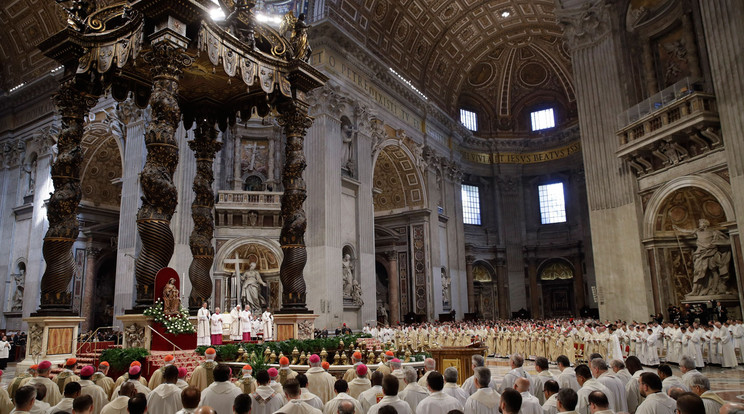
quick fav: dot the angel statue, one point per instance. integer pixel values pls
(298, 39)
(242, 29)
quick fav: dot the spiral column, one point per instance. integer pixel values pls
(159, 193)
(72, 105)
(295, 121)
(205, 146)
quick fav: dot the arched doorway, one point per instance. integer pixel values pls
(103, 296)
(486, 290)
(556, 277)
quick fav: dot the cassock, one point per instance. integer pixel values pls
(413, 394)
(451, 389)
(331, 407)
(100, 379)
(530, 404)
(165, 399)
(118, 405)
(393, 400)
(235, 334)
(358, 386)
(100, 399)
(727, 348)
(265, 401)
(567, 379)
(551, 405)
(438, 403)
(712, 402)
(52, 397)
(268, 326)
(216, 324)
(64, 405)
(657, 403)
(320, 383)
(137, 385)
(590, 386)
(373, 396)
(245, 325)
(483, 401)
(220, 396)
(311, 398)
(203, 331)
(298, 407)
(202, 375)
(616, 386)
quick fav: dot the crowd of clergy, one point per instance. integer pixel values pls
(597, 387)
(240, 324)
(715, 343)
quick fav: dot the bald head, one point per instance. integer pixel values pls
(522, 384)
(205, 409)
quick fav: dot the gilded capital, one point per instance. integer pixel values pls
(586, 25)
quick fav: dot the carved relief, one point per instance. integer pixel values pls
(134, 336)
(35, 338)
(586, 25)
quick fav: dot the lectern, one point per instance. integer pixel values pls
(458, 357)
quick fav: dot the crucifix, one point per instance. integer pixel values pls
(232, 288)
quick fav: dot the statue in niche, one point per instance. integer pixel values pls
(30, 170)
(446, 282)
(710, 265)
(250, 283)
(347, 150)
(347, 269)
(171, 302)
(17, 299)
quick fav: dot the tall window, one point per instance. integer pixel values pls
(542, 119)
(552, 203)
(470, 205)
(469, 119)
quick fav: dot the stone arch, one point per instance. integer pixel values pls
(712, 184)
(488, 276)
(555, 268)
(261, 247)
(102, 165)
(398, 181)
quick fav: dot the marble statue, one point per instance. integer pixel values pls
(17, 299)
(710, 265)
(446, 282)
(347, 268)
(356, 293)
(30, 169)
(250, 283)
(347, 151)
(171, 302)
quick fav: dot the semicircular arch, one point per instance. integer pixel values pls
(398, 181)
(263, 248)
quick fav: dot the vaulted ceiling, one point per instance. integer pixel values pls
(500, 56)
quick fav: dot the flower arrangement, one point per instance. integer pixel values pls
(174, 324)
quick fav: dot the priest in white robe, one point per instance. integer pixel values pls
(88, 387)
(295, 405)
(235, 334)
(166, 397)
(203, 330)
(216, 326)
(413, 393)
(437, 402)
(267, 320)
(652, 348)
(220, 394)
(589, 385)
(265, 400)
(485, 400)
(341, 388)
(728, 354)
(245, 325)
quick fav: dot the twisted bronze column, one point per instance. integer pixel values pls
(295, 121)
(72, 105)
(159, 193)
(205, 146)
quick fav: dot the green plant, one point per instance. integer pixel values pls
(174, 324)
(120, 358)
(227, 352)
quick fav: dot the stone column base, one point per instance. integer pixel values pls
(137, 332)
(50, 338)
(294, 326)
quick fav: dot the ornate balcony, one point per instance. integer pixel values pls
(248, 209)
(674, 126)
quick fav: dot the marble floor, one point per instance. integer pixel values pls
(728, 382)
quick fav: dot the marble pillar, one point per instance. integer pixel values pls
(393, 287)
(133, 121)
(594, 36)
(469, 276)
